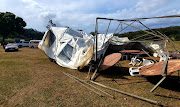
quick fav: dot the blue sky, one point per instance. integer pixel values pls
(81, 14)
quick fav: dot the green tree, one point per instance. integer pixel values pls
(10, 24)
(32, 34)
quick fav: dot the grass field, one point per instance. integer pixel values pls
(28, 78)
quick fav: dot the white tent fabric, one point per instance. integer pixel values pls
(103, 38)
(67, 47)
(158, 47)
(70, 48)
(50, 40)
(119, 41)
(102, 43)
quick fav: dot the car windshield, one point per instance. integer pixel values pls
(11, 44)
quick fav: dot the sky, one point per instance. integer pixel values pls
(81, 14)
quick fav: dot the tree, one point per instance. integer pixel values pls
(32, 34)
(10, 24)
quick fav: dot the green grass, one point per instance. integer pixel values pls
(170, 46)
(28, 78)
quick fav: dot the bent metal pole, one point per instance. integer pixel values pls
(128, 94)
(81, 81)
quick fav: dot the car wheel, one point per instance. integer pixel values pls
(32, 46)
(6, 50)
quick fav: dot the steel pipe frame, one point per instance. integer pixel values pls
(121, 21)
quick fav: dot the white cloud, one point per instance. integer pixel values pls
(150, 5)
(81, 14)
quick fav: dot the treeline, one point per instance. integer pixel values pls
(28, 34)
(172, 32)
(32, 34)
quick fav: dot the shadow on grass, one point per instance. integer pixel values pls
(13, 51)
(115, 72)
(170, 83)
(173, 97)
(130, 82)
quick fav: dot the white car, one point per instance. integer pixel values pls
(34, 43)
(11, 47)
(23, 44)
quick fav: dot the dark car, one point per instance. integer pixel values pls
(11, 47)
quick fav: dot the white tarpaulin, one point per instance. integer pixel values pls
(67, 47)
(158, 47)
(70, 48)
(119, 41)
(102, 42)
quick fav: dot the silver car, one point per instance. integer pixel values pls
(11, 47)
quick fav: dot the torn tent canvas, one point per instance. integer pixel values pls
(69, 48)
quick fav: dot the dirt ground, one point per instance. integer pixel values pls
(28, 78)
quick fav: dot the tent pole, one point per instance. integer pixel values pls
(163, 73)
(179, 76)
(96, 28)
(128, 94)
(143, 30)
(171, 16)
(147, 27)
(98, 65)
(117, 28)
(164, 77)
(75, 78)
(149, 56)
(107, 31)
(126, 27)
(90, 68)
(172, 42)
(83, 85)
(101, 59)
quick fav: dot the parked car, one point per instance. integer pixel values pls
(17, 40)
(23, 43)
(34, 43)
(11, 47)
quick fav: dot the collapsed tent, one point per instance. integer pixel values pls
(119, 41)
(70, 48)
(123, 43)
(67, 47)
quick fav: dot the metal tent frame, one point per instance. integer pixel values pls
(98, 61)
